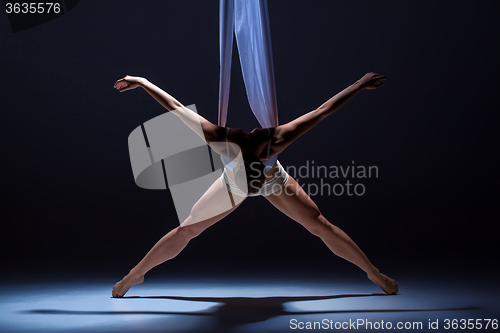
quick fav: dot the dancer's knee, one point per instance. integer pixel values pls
(189, 231)
(319, 226)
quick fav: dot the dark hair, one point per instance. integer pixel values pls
(250, 175)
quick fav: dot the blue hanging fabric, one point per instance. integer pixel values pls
(226, 29)
(250, 20)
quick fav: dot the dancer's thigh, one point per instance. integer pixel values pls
(294, 202)
(214, 205)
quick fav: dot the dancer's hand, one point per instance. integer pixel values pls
(371, 81)
(128, 82)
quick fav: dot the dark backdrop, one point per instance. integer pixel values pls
(69, 199)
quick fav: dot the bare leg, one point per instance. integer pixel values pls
(297, 205)
(176, 240)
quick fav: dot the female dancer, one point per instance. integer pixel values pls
(258, 145)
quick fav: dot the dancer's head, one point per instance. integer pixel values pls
(250, 174)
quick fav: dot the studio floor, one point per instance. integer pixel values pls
(247, 304)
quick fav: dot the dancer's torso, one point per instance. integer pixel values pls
(256, 143)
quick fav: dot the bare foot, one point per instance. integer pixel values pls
(388, 285)
(124, 285)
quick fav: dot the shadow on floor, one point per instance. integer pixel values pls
(234, 311)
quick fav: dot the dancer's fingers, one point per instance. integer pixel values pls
(125, 88)
(122, 85)
(117, 84)
(119, 81)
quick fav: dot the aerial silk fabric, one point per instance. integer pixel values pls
(249, 20)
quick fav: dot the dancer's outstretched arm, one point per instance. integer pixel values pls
(285, 134)
(209, 132)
